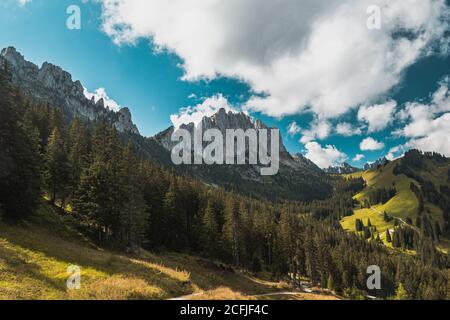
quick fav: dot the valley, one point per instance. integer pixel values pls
(139, 227)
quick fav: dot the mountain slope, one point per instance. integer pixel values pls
(34, 259)
(298, 179)
(430, 172)
(51, 85)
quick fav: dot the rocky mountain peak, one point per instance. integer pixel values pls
(52, 85)
(380, 162)
(344, 168)
(223, 120)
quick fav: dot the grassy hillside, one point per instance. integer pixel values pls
(404, 204)
(34, 258)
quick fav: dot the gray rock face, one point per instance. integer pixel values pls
(380, 162)
(222, 121)
(344, 168)
(52, 85)
(297, 179)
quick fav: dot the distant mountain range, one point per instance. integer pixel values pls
(298, 178)
(344, 168)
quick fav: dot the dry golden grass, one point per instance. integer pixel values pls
(221, 293)
(118, 288)
(300, 296)
(34, 258)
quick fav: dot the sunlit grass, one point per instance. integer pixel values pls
(34, 258)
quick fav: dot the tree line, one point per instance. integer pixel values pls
(122, 200)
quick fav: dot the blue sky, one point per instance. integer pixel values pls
(150, 82)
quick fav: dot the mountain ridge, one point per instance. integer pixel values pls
(298, 178)
(52, 85)
(344, 168)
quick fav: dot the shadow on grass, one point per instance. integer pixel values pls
(171, 283)
(17, 265)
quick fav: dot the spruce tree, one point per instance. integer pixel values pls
(20, 160)
(57, 168)
(211, 234)
(78, 152)
(133, 213)
(232, 228)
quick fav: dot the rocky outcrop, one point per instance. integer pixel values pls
(51, 85)
(222, 121)
(374, 165)
(344, 168)
(298, 177)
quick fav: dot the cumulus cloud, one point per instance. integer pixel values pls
(379, 116)
(370, 144)
(427, 126)
(435, 135)
(303, 54)
(100, 93)
(358, 157)
(395, 153)
(324, 157)
(319, 129)
(346, 129)
(195, 114)
(293, 129)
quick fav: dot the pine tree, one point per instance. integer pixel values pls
(211, 234)
(78, 152)
(57, 168)
(175, 223)
(133, 213)
(99, 199)
(311, 257)
(20, 168)
(232, 228)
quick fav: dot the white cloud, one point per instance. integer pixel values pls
(379, 116)
(428, 125)
(436, 135)
(370, 144)
(23, 2)
(345, 129)
(319, 129)
(302, 53)
(195, 114)
(324, 157)
(100, 93)
(441, 98)
(358, 157)
(395, 153)
(293, 129)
